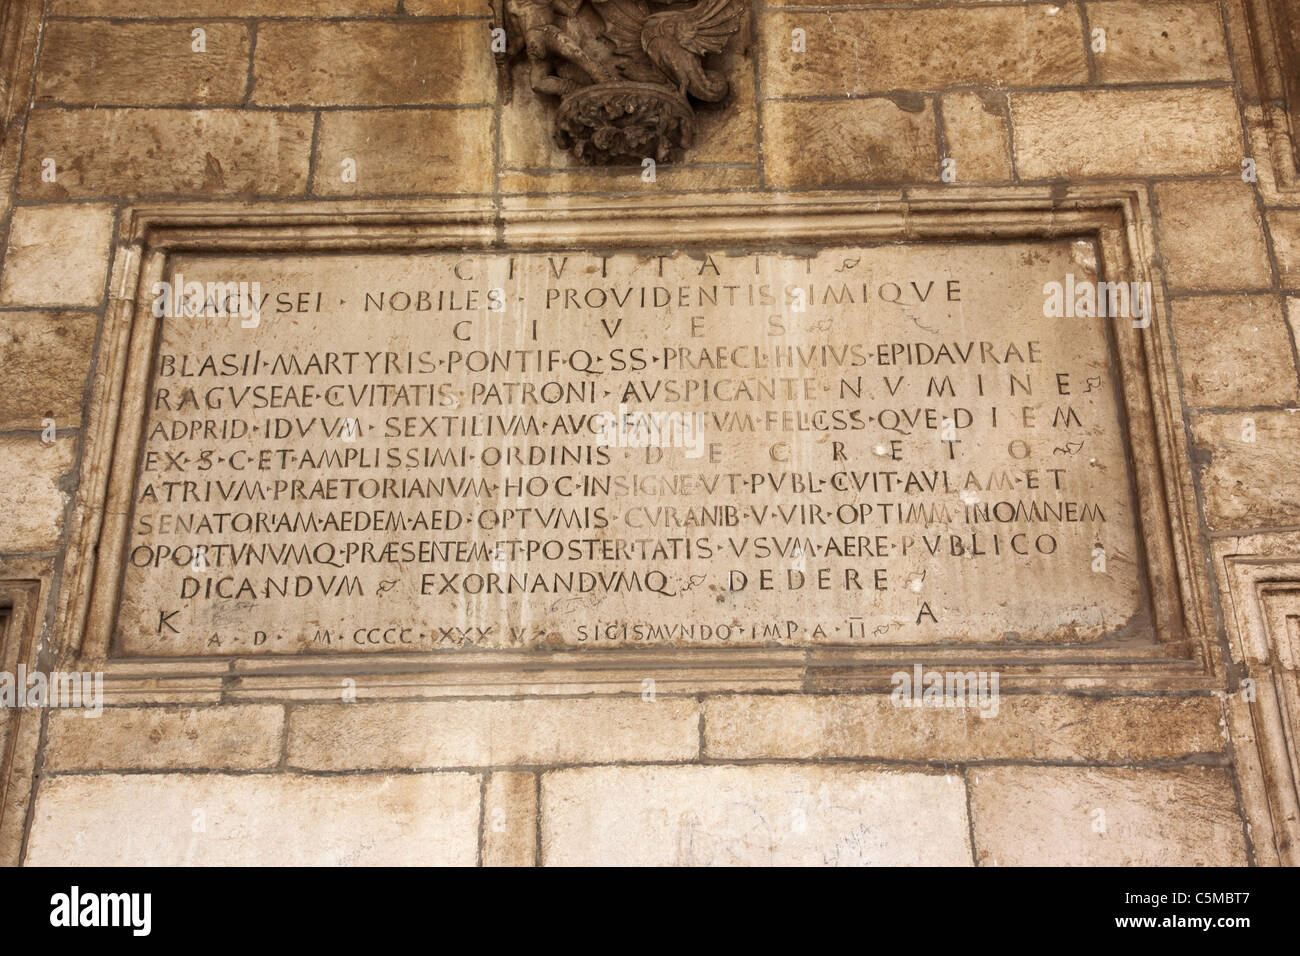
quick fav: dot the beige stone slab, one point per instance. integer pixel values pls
(510, 819)
(1284, 227)
(159, 690)
(491, 733)
(57, 255)
(132, 152)
(1077, 816)
(1211, 236)
(242, 737)
(868, 3)
(372, 64)
(256, 820)
(527, 122)
(872, 51)
(221, 8)
(627, 180)
(727, 132)
(447, 8)
(1247, 467)
(1235, 350)
(753, 816)
(44, 360)
(876, 141)
(554, 681)
(1148, 42)
(1293, 317)
(32, 495)
(1126, 133)
(1020, 726)
(138, 64)
(455, 155)
(823, 427)
(976, 127)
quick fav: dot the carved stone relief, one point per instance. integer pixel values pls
(625, 72)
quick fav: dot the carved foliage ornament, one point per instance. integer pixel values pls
(625, 71)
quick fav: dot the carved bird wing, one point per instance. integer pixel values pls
(706, 27)
(624, 20)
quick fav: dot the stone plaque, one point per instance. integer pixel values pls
(854, 446)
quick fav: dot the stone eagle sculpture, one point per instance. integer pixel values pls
(625, 70)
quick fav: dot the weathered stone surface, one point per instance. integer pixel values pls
(976, 128)
(372, 64)
(454, 155)
(896, 341)
(1159, 42)
(221, 8)
(1234, 350)
(1248, 474)
(878, 141)
(133, 152)
(510, 819)
(32, 473)
(256, 820)
(44, 359)
(122, 64)
(448, 8)
(57, 255)
(873, 51)
(1023, 726)
(754, 815)
(242, 737)
(626, 180)
(1125, 133)
(1284, 227)
(1293, 317)
(1076, 816)
(1211, 237)
(727, 132)
(493, 733)
(527, 121)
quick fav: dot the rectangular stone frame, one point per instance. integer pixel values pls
(1272, 91)
(1264, 629)
(1180, 653)
(24, 590)
(20, 27)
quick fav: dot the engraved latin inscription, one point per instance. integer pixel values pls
(671, 447)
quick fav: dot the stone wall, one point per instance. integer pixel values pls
(204, 767)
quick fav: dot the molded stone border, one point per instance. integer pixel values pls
(1268, 111)
(24, 588)
(20, 27)
(1176, 654)
(1265, 645)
